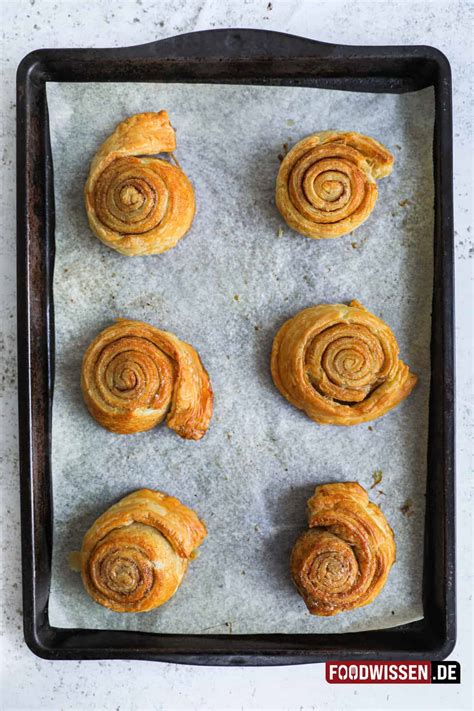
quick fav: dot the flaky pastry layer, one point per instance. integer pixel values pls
(134, 375)
(326, 185)
(342, 562)
(339, 364)
(135, 203)
(134, 556)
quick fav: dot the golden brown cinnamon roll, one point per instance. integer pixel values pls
(343, 560)
(135, 555)
(134, 375)
(339, 364)
(326, 183)
(137, 204)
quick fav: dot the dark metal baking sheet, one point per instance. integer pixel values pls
(224, 56)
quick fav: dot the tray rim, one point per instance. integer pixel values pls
(258, 52)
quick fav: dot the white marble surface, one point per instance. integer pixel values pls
(31, 683)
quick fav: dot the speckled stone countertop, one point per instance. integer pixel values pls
(31, 683)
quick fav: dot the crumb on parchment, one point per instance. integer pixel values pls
(406, 509)
(377, 477)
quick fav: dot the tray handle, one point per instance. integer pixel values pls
(236, 43)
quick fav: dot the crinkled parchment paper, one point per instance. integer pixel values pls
(226, 288)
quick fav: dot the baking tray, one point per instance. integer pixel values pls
(236, 57)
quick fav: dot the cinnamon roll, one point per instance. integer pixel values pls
(339, 364)
(134, 556)
(136, 203)
(326, 185)
(134, 375)
(343, 560)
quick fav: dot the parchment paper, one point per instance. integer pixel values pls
(226, 288)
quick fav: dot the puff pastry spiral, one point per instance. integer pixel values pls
(135, 555)
(135, 203)
(326, 185)
(339, 364)
(134, 375)
(343, 560)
